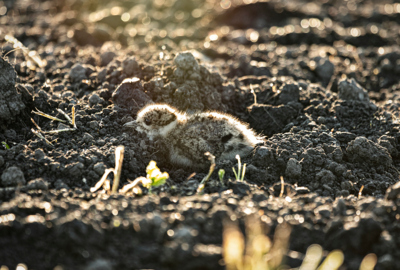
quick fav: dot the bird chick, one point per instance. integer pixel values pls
(188, 137)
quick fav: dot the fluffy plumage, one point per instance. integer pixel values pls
(188, 137)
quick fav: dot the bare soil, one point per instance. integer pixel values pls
(319, 79)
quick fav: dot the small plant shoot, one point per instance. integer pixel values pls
(239, 175)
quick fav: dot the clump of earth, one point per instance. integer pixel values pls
(319, 80)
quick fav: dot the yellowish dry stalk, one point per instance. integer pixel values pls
(203, 182)
(65, 115)
(107, 186)
(73, 117)
(282, 187)
(233, 246)
(360, 192)
(102, 180)
(48, 116)
(312, 258)
(58, 130)
(333, 261)
(125, 189)
(119, 157)
(36, 125)
(33, 55)
(71, 121)
(37, 133)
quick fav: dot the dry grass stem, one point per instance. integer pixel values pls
(36, 125)
(254, 94)
(102, 180)
(33, 55)
(48, 116)
(203, 182)
(71, 121)
(37, 133)
(312, 258)
(360, 192)
(119, 157)
(282, 187)
(130, 186)
(59, 130)
(65, 115)
(73, 117)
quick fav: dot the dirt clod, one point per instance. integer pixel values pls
(362, 150)
(10, 101)
(349, 89)
(12, 176)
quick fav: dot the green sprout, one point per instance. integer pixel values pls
(154, 178)
(238, 176)
(221, 174)
(6, 146)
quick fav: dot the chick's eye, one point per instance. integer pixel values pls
(147, 121)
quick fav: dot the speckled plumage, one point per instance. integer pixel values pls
(188, 137)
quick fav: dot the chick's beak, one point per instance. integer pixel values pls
(132, 124)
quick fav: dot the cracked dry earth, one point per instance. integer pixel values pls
(319, 79)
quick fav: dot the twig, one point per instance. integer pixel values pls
(203, 182)
(37, 133)
(119, 157)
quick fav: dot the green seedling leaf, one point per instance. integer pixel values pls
(155, 176)
(239, 167)
(239, 175)
(243, 172)
(160, 179)
(221, 174)
(5, 145)
(236, 176)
